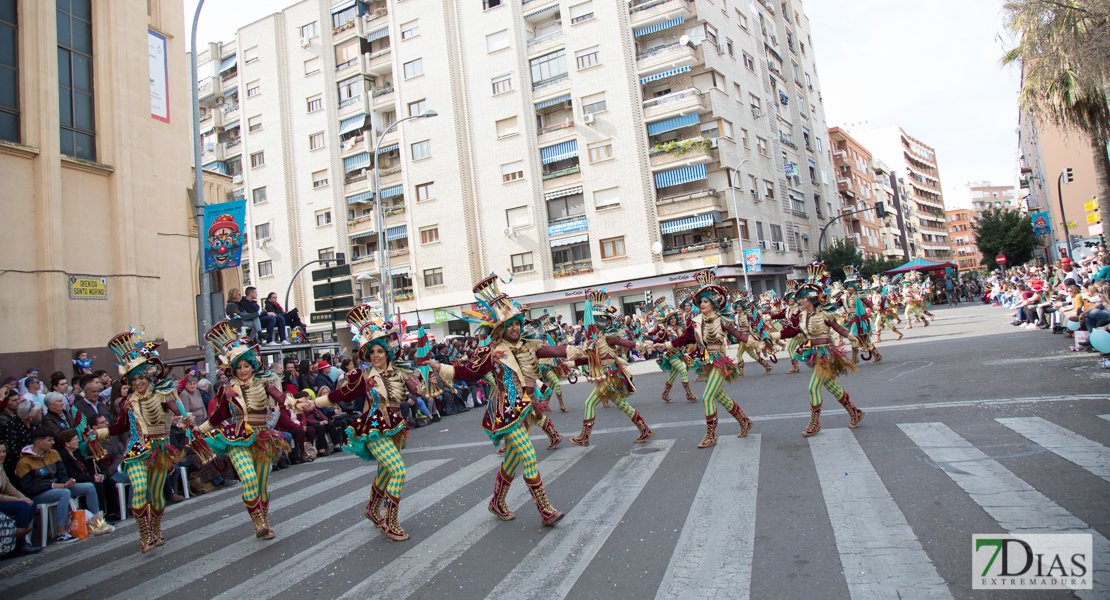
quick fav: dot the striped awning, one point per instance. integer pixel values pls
(541, 11)
(231, 125)
(687, 224)
(377, 35)
(208, 130)
(651, 78)
(393, 190)
(672, 124)
(658, 27)
(680, 176)
(574, 239)
(230, 91)
(389, 148)
(227, 63)
(364, 234)
(565, 150)
(552, 101)
(342, 6)
(352, 123)
(405, 270)
(360, 198)
(396, 233)
(567, 192)
(356, 162)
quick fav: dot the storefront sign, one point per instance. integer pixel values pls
(159, 83)
(613, 288)
(567, 227)
(440, 315)
(85, 287)
(711, 260)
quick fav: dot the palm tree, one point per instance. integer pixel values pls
(1064, 52)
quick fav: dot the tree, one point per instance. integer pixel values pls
(878, 267)
(1004, 231)
(1064, 52)
(838, 255)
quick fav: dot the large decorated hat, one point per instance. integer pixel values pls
(501, 309)
(740, 299)
(663, 311)
(136, 357)
(816, 279)
(791, 289)
(600, 304)
(852, 278)
(368, 329)
(232, 347)
(715, 292)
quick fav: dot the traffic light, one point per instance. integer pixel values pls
(647, 300)
(880, 210)
(1069, 175)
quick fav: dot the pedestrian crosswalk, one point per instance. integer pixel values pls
(702, 541)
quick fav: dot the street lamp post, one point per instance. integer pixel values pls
(387, 306)
(739, 236)
(198, 198)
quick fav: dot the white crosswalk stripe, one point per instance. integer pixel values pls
(1007, 498)
(1090, 455)
(713, 556)
(881, 555)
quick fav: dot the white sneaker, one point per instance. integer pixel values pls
(65, 538)
(272, 344)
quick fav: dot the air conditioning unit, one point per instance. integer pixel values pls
(756, 112)
(780, 246)
(764, 244)
(720, 49)
(755, 196)
(588, 119)
(305, 42)
(713, 142)
(774, 40)
(509, 232)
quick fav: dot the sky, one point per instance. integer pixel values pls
(931, 67)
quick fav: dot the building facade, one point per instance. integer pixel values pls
(984, 196)
(965, 252)
(885, 188)
(855, 183)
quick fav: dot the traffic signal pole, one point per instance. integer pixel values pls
(1060, 197)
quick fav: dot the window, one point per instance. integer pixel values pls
(607, 198)
(326, 253)
(593, 104)
(346, 55)
(250, 55)
(587, 58)
(311, 67)
(754, 101)
(344, 18)
(571, 256)
(749, 62)
(762, 145)
(612, 247)
(488, 4)
(497, 41)
(315, 103)
(410, 30)
(421, 149)
(759, 231)
(323, 217)
(753, 186)
(768, 190)
(429, 235)
(425, 191)
(798, 203)
(415, 108)
(502, 84)
(75, 79)
(266, 268)
(350, 91)
(522, 262)
(548, 66)
(744, 229)
(728, 44)
(600, 151)
(257, 159)
(711, 129)
(414, 68)
(258, 195)
(776, 233)
(245, 270)
(433, 277)
(741, 20)
(255, 88)
(9, 73)
(319, 180)
(254, 124)
(316, 140)
(744, 137)
(308, 31)
(262, 231)
(566, 207)
(506, 127)
(581, 12)
(518, 217)
(512, 171)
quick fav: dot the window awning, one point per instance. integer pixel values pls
(352, 123)
(405, 270)
(356, 162)
(651, 78)
(218, 167)
(208, 130)
(565, 150)
(574, 239)
(672, 124)
(389, 148)
(377, 35)
(680, 176)
(231, 125)
(541, 11)
(228, 63)
(567, 192)
(396, 233)
(230, 91)
(658, 27)
(393, 190)
(696, 222)
(342, 6)
(552, 101)
(364, 234)
(360, 198)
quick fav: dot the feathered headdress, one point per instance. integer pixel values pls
(599, 313)
(816, 280)
(715, 292)
(231, 347)
(136, 357)
(852, 278)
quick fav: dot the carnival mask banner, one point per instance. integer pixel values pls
(1041, 223)
(223, 231)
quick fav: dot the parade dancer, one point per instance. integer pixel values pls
(856, 308)
(147, 413)
(668, 326)
(607, 370)
(828, 360)
(789, 316)
(379, 434)
(241, 424)
(885, 303)
(709, 330)
(514, 362)
(744, 318)
(551, 369)
(915, 302)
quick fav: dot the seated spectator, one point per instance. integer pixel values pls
(9, 403)
(415, 411)
(289, 376)
(286, 423)
(84, 470)
(323, 377)
(59, 384)
(56, 419)
(32, 390)
(43, 477)
(269, 320)
(91, 404)
(326, 437)
(193, 400)
(292, 318)
(18, 433)
(238, 317)
(17, 506)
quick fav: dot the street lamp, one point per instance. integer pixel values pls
(198, 198)
(387, 306)
(366, 277)
(739, 236)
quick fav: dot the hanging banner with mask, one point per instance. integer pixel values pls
(223, 234)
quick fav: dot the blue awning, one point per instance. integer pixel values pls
(360, 198)
(396, 233)
(393, 190)
(658, 27)
(565, 150)
(680, 176)
(687, 224)
(672, 124)
(230, 91)
(218, 167)
(552, 101)
(227, 63)
(541, 11)
(364, 234)
(356, 162)
(377, 35)
(231, 125)
(389, 148)
(651, 78)
(352, 123)
(342, 6)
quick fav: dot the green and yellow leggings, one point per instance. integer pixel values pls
(552, 382)
(391, 468)
(147, 487)
(619, 400)
(715, 390)
(826, 381)
(520, 453)
(677, 368)
(255, 475)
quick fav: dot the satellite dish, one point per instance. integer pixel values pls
(684, 40)
(657, 248)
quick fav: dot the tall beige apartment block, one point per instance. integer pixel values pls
(578, 144)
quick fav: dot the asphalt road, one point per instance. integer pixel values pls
(962, 435)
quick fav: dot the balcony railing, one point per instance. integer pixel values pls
(562, 172)
(388, 171)
(578, 269)
(230, 108)
(348, 180)
(635, 8)
(399, 251)
(344, 65)
(349, 101)
(698, 247)
(785, 139)
(394, 210)
(229, 76)
(555, 127)
(362, 259)
(658, 50)
(699, 193)
(672, 97)
(383, 91)
(402, 295)
(550, 82)
(545, 37)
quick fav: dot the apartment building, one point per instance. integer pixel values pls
(964, 250)
(885, 188)
(578, 144)
(984, 196)
(855, 183)
(915, 164)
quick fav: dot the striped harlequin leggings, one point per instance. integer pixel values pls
(620, 401)
(391, 468)
(254, 475)
(520, 453)
(827, 382)
(553, 382)
(715, 390)
(678, 367)
(147, 487)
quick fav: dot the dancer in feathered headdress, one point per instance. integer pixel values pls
(670, 325)
(915, 299)
(745, 317)
(789, 316)
(815, 326)
(552, 369)
(884, 300)
(858, 321)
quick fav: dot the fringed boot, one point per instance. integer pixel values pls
(583, 439)
(497, 504)
(745, 423)
(855, 356)
(793, 366)
(374, 506)
(855, 415)
(562, 407)
(689, 394)
(156, 526)
(814, 421)
(552, 436)
(667, 392)
(390, 527)
(710, 438)
(142, 521)
(766, 366)
(645, 432)
(548, 513)
(876, 357)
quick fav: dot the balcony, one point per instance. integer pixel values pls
(544, 42)
(379, 58)
(552, 84)
(703, 198)
(568, 271)
(667, 57)
(383, 97)
(364, 259)
(360, 225)
(573, 172)
(403, 295)
(555, 132)
(372, 18)
(395, 252)
(353, 146)
(691, 151)
(351, 106)
(392, 211)
(230, 111)
(389, 176)
(699, 250)
(677, 103)
(234, 146)
(787, 140)
(643, 11)
(239, 194)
